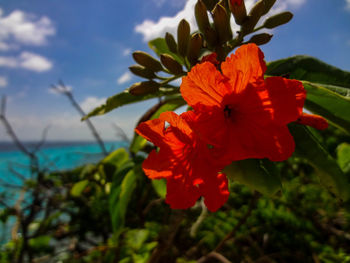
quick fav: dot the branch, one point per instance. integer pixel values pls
(214, 255)
(120, 133)
(10, 131)
(65, 91)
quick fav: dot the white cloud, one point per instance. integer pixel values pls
(126, 77)
(91, 102)
(3, 82)
(34, 62)
(150, 29)
(158, 3)
(9, 62)
(347, 7)
(27, 60)
(21, 28)
(127, 52)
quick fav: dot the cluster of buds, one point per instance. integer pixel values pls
(214, 35)
(218, 35)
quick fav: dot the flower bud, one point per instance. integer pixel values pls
(144, 88)
(221, 23)
(212, 58)
(171, 64)
(253, 17)
(171, 43)
(238, 10)
(147, 61)
(201, 14)
(268, 5)
(260, 39)
(142, 71)
(277, 20)
(195, 48)
(210, 4)
(183, 37)
(211, 37)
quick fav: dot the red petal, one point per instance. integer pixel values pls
(180, 195)
(246, 66)
(158, 165)
(272, 142)
(176, 121)
(203, 86)
(314, 121)
(152, 130)
(215, 191)
(285, 99)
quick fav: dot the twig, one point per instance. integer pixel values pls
(214, 255)
(42, 141)
(10, 131)
(120, 133)
(65, 91)
(199, 220)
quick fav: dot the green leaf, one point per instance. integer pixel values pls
(125, 98)
(120, 198)
(159, 46)
(329, 172)
(343, 153)
(40, 243)
(310, 69)
(171, 104)
(260, 175)
(160, 187)
(113, 161)
(117, 157)
(78, 188)
(329, 104)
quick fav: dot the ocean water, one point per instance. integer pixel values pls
(53, 156)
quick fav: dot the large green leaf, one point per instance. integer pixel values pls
(260, 175)
(329, 172)
(110, 164)
(125, 98)
(329, 104)
(309, 68)
(159, 46)
(120, 198)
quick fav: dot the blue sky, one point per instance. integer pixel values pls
(88, 44)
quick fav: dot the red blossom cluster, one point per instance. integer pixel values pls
(237, 114)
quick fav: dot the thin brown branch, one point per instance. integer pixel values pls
(10, 131)
(65, 91)
(214, 255)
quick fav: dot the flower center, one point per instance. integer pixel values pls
(227, 111)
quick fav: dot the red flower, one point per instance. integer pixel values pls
(240, 111)
(185, 162)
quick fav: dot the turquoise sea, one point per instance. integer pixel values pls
(53, 156)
